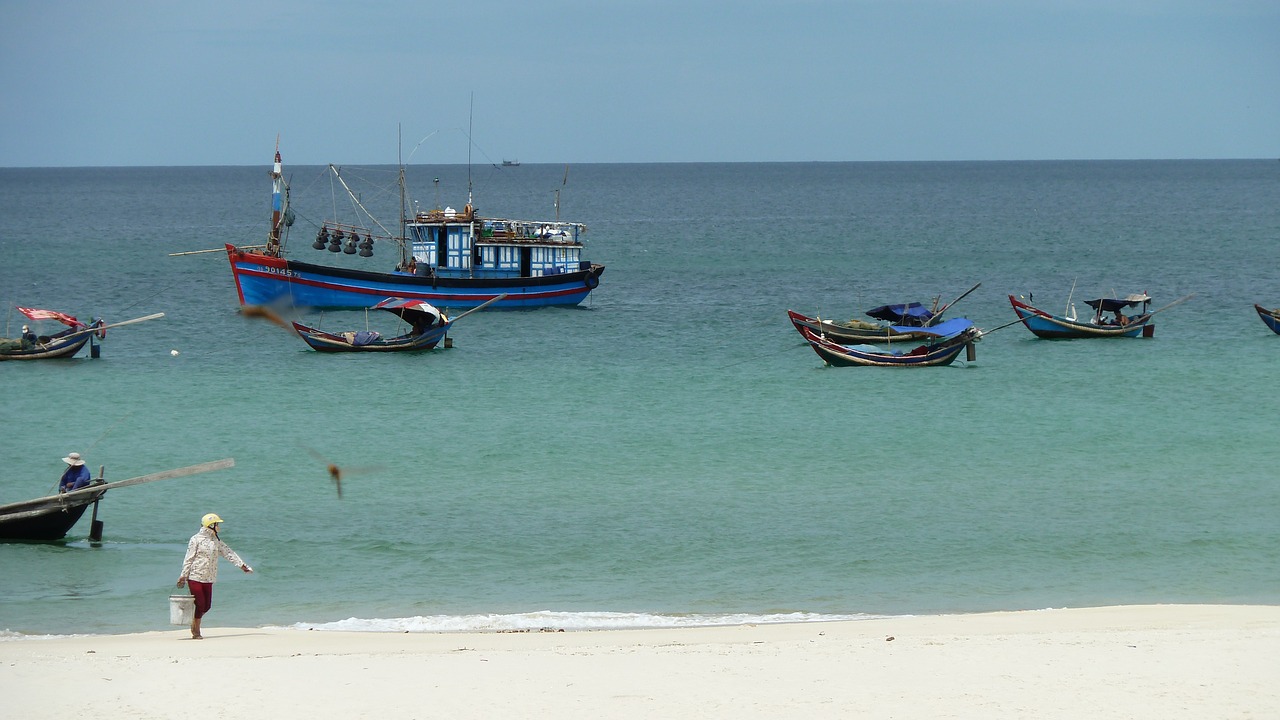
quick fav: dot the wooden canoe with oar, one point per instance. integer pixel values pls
(52, 517)
(64, 344)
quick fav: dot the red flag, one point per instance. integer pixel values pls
(37, 314)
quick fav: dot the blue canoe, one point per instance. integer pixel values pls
(1270, 317)
(1057, 327)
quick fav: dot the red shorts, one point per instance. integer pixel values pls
(203, 593)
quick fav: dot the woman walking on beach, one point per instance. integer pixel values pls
(200, 567)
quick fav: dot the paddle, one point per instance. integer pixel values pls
(113, 325)
(481, 306)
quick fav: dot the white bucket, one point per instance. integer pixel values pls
(182, 609)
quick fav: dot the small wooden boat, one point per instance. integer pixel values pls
(853, 331)
(47, 518)
(1047, 325)
(52, 517)
(428, 326)
(897, 323)
(950, 337)
(63, 344)
(1270, 317)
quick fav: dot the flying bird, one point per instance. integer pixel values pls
(266, 313)
(336, 473)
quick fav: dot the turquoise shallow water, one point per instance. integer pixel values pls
(670, 452)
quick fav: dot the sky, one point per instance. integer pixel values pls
(162, 83)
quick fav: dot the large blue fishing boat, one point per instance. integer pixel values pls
(446, 257)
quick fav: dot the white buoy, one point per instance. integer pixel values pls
(173, 353)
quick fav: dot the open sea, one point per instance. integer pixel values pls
(671, 452)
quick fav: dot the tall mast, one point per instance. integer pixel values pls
(277, 203)
(405, 254)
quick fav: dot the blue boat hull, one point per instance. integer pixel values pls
(1270, 317)
(266, 280)
(57, 346)
(343, 342)
(1054, 327)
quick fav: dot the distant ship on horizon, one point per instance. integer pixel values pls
(510, 163)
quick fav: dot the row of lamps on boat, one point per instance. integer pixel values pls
(333, 241)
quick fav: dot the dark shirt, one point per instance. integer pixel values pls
(76, 477)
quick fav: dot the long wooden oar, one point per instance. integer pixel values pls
(1175, 302)
(481, 306)
(114, 325)
(953, 302)
(984, 333)
(214, 250)
(163, 475)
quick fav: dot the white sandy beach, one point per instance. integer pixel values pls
(1175, 661)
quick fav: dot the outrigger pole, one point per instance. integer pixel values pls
(1175, 302)
(953, 302)
(100, 328)
(162, 475)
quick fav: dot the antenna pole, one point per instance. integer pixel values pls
(471, 113)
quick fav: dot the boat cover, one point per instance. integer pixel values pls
(414, 312)
(38, 314)
(1114, 304)
(944, 329)
(912, 314)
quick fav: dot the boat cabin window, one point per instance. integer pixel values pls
(508, 257)
(554, 260)
(458, 254)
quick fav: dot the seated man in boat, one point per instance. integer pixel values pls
(76, 475)
(28, 338)
(1121, 318)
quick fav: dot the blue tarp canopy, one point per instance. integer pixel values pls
(944, 329)
(913, 314)
(1114, 304)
